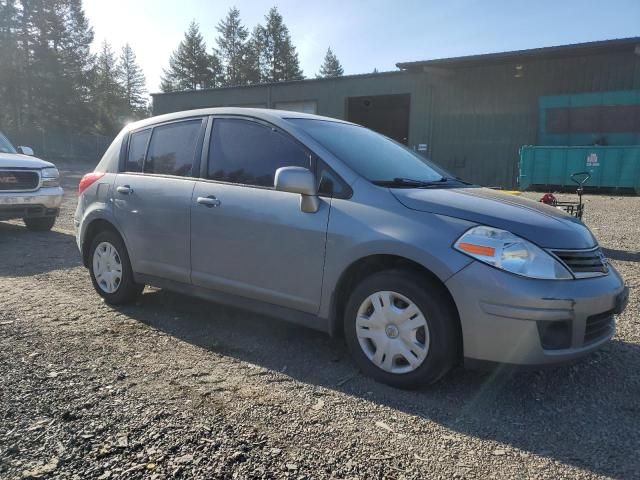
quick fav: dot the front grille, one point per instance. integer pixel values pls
(598, 327)
(18, 180)
(583, 263)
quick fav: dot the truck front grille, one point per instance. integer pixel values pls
(583, 263)
(18, 180)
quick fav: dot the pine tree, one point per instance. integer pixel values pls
(46, 69)
(331, 66)
(251, 60)
(10, 73)
(133, 83)
(77, 61)
(278, 56)
(233, 48)
(45, 92)
(190, 66)
(216, 71)
(109, 96)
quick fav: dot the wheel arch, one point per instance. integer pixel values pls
(94, 227)
(366, 266)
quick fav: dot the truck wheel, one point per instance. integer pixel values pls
(39, 224)
(401, 329)
(110, 269)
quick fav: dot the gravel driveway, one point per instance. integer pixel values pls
(174, 387)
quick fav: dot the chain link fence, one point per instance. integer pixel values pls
(61, 146)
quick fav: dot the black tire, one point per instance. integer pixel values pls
(39, 224)
(127, 290)
(439, 312)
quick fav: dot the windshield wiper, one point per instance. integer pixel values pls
(459, 180)
(401, 182)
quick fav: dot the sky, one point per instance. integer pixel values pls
(366, 34)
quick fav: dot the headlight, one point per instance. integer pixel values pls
(509, 252)
(50, 177)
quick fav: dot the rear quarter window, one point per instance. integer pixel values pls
(138, 142)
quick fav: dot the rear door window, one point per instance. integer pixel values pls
(137, 148)
(249, 153)
(173, 148)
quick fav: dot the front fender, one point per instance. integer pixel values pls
(423, 238)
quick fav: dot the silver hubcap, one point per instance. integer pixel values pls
(392, 332)
(107, 267)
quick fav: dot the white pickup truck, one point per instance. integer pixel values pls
(29, 187)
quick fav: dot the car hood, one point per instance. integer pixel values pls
(16, 160)
(546, 226)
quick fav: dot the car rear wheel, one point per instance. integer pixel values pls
(40, 224)
(400, 328)
(110, 269)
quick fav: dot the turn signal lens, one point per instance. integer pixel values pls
(477, 249)
(88, 180)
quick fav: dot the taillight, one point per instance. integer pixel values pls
(89, 180)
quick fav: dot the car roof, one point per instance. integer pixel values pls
(266, 114)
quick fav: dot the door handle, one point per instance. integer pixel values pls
(124, 189)
(209, 201)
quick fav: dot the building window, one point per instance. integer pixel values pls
(307, 106)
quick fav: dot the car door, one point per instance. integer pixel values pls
(247, 238)
(152, 197)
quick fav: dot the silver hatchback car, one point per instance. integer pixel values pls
(331, 225)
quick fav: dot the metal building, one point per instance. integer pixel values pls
(470, 114)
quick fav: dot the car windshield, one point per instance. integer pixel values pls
(373, 156)
(5, 145)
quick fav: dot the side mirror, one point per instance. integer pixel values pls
(299, 180)
(25, 150)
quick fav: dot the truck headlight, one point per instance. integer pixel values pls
(50, 177)
(506, 251)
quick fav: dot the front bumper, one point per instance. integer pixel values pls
(506, 318)
(44, 202)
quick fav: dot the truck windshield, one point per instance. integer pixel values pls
(375, 157)
(5, 145)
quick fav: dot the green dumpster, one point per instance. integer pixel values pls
(611, 167)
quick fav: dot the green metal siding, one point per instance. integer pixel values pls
(330, 94)
(474, 119)
(483, 115)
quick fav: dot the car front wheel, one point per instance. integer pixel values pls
(110, 269)
(400, 328)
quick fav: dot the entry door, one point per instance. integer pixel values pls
(247, 238)
(152, 198)
(385, 114)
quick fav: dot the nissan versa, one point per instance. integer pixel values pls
(328, 224)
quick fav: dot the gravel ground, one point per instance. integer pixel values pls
(174, 387)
